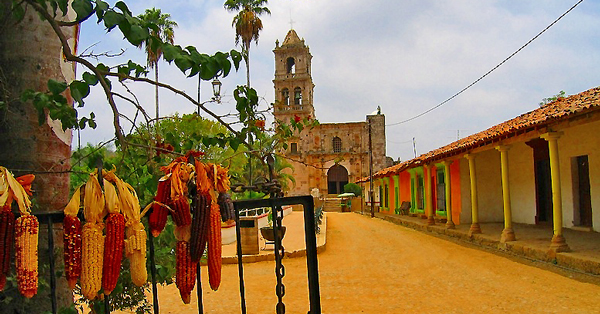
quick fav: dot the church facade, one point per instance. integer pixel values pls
(332, 154)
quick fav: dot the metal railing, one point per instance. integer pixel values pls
(50, 218)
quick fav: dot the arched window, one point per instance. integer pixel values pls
(337, 144)
(291, 65)
(285, 97)
(297, 96)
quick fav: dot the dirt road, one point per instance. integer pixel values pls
(372, 266)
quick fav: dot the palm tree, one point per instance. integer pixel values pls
(165, 32)
(247, 24)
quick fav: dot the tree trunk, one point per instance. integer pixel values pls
(30, 54)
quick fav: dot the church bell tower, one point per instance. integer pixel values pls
(293, 82)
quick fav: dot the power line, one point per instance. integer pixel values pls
(488, 72)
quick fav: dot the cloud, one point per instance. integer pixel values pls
(406, 56)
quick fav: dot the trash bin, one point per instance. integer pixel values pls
(249, 235)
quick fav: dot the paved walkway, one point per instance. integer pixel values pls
(533, 241)
(293, 242)
(374, 266)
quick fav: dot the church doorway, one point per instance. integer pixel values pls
(337, 177)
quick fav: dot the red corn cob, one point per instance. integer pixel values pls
(158, 216)
(7, 239)
(185, 273)
(72, 249)
(113, 251)
(181, 211)
(200, 225)
(214, 248)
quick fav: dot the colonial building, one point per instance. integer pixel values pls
(332, 154)
(542, 168)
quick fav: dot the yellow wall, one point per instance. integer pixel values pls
(489, 186)
(522, 183)
(465, 191)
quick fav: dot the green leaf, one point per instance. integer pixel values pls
(90, 78)
(234, 143)
(136, 35)
(123, 7)
(170, 52)
(209, 69)
(83, 8)
(183, 63)
(100, 5)
(18, 11)
(236, 57)
(79, 90)
(223, 62)
(112, 18)
(56, 87)
(63, 5)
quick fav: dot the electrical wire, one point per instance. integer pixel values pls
(488, 72)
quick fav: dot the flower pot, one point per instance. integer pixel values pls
(269, 235)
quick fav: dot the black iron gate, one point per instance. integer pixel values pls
(275, 203)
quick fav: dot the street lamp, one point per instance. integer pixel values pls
(216, 86)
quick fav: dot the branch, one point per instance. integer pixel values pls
(178, 92)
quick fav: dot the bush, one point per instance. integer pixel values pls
(353, 188)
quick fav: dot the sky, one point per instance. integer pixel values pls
(405, 56)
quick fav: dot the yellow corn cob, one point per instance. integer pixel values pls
(26, 249)
(92, 258)
(135, 248)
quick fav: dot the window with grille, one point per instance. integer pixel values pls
(337, 144)
(294, 148)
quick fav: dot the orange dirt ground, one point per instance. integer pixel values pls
(373, 266)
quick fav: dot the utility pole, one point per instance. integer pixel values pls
(414, 147)
(371, 172)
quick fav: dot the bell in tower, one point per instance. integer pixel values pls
(293, 82)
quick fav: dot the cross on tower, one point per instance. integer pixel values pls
(291, 21)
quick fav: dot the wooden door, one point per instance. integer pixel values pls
(585, 201)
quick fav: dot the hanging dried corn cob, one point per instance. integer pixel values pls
(200, 226)
(185, 273)
(92, 239)
(226, 207)
(179, 194)
(7, 238)
(26, 229)
(113, 242)
(135, 234)
(222, 184)
(72, 239)
(160, 209)
(214, 247)
(26, 249)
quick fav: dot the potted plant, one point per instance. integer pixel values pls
(268, 232)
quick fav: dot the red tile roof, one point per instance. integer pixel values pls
(559, 110)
